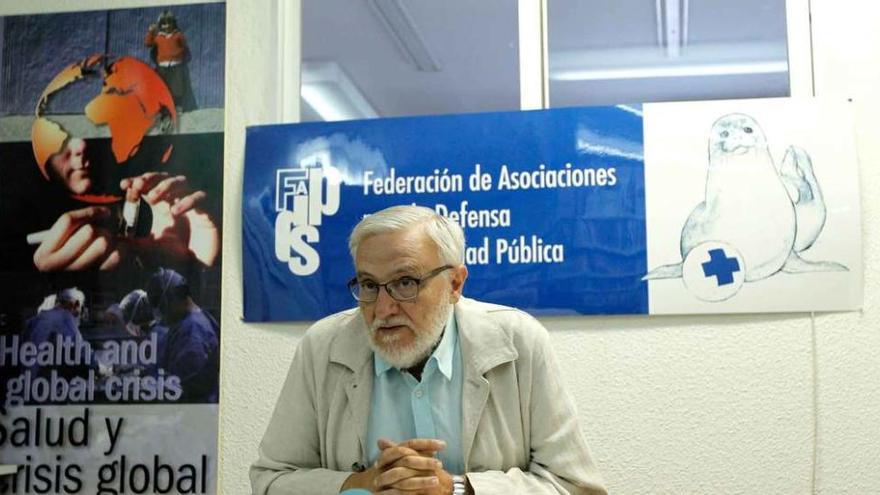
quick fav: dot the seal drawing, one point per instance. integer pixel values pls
(768, 213)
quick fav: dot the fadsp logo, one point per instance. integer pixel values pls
(303, 196)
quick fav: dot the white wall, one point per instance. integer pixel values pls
(846, 54)
(670, 405)
(254, 358)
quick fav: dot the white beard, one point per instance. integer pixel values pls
(424, 342)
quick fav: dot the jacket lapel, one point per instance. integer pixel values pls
(359, 391)
(351, 350)
(484, 345)
(474, 397)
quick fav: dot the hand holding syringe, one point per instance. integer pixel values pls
(127, 225)
(179, 228)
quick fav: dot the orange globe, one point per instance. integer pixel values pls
(132, 102)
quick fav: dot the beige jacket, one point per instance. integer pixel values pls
(520, 433)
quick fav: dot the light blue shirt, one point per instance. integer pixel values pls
(403, 408)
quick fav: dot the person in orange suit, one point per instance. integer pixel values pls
(170, 53)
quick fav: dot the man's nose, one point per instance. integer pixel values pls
(385, 304)
(78, 158)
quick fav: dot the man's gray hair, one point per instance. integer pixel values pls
(446, 234)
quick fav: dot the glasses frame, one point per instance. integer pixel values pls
(353, 283)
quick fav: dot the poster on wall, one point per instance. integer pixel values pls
(111, 161)
(701, 207)
(752, 207)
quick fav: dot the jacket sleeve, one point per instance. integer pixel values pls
(560, 461)
(290, 453)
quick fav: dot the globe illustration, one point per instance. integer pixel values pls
(125, 98)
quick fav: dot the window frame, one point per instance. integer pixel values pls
(533, 54)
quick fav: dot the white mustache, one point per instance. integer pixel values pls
(390, 322)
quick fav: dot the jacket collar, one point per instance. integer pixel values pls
(484, 344)
(351, 348)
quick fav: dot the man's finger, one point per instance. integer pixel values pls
(143, 183)
(423, 445)
(418, 462)
(139, 181)
(187, 203)
(68, 223)
(396, 475)
(88, 213)
(169, 187)
(384, 443)
(417, 483)
(391, 455)
(112, 261)
(72, 247)
(97, 250)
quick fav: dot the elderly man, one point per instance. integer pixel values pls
(420, 390)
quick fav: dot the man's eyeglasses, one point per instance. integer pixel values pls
(400, 289)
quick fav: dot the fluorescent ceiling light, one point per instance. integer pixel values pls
(322, 102)
(690, 70)
(649, 56)
(331, 94)
(405, 34)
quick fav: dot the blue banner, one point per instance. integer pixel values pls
(552, 204)
(673, 208)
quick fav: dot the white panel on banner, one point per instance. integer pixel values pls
(788, 207)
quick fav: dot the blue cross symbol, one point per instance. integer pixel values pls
(720, 266)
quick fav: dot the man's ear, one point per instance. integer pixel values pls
(459, 275)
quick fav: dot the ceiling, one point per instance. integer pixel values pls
(599, 51)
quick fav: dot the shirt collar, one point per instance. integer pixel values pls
(445, 351)
(442, 355)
